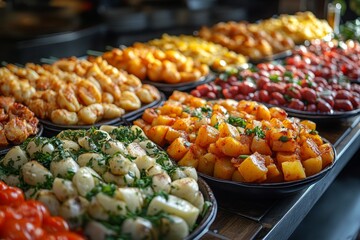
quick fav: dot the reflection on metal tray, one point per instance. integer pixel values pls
(48, 125)
(266, 190)
(4, 150)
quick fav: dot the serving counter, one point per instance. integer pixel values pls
(242, 218)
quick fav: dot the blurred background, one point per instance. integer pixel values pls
(32, 29)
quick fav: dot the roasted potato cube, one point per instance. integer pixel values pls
(207, 164)
(293, 170)
(189, 159)
(178, 148)
(309, 124)
(289, 146)
(278, 113)
(163, 120)
(157, 134)
(228, 130)
(261, 146)
(237, 177)
(263, 113)
(312, 165)
(149, 115)
(327, 154)
(232, 147)
(206, 135)
(309, 149)
(274, 174)
(286, 157)
(168, 109)
(182, 124)
(223, 168)
(214, 149)
(173, 134)
(253, 168)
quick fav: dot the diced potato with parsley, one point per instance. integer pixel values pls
(206, 135)
(206, 163)
(309, 149)
(253, 168)
(293, 170)
(223, 168)
(178, 148)
(157, 134)
(312, 165)
(327, 154)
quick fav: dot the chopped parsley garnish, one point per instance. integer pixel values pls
(284, 138)
(314, 132)
(197, 113)
(237, 121)
(127, 135)
(108, 189)
(216, 125)
(257, 131)
(274, 78)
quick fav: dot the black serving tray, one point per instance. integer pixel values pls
(266, 190)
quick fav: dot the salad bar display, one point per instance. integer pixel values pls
(140, 139)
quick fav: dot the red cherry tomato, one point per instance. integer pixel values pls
(296, 104)
(309, 95)
(278, 97)
(323, 106)
(343, 94)
(64, 236)
(11, 196)
(55, 224)
(21, 229)
(343, 105)
(264, 96)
